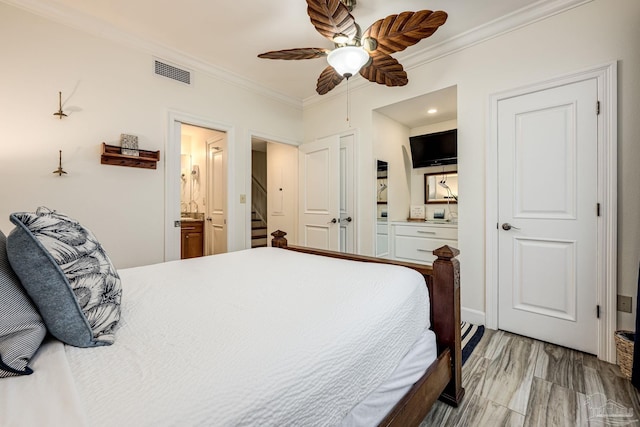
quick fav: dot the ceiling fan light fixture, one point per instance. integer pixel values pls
(368, 52)
(348, 60)
(341, 39)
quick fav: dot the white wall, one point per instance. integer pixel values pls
(592, 34)
(259, 166)
(417, 175)
(109, 89)
(391, 144)
(433, 128)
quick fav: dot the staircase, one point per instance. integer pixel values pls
(258, 231)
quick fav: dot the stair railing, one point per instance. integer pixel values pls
(259, 199)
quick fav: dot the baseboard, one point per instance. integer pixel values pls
(472, 316)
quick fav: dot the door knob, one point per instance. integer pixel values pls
(333, 221)
(506, 226)
(348, 219)
(208, 218)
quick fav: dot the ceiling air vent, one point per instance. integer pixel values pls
(171, 72)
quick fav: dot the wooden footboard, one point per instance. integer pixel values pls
(443, 379)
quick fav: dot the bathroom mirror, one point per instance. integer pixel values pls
(381, 182)
(441, 187)
(185, 181)
(381, 189)
(382, 228)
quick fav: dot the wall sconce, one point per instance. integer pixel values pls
(60, 113)
(60, 171)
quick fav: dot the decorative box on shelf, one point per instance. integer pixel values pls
(417, 212)
(112, 155)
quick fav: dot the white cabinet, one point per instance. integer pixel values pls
(382, 239)
(415, 242)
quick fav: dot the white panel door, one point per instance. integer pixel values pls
(319, 168)
(547, 196)
(347, 194)
(217, 204)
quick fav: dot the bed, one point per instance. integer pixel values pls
(271, 336)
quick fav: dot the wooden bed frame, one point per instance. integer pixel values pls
(443, 379)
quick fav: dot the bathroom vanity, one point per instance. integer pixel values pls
(192, 237)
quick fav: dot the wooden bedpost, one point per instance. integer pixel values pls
(279, 241)
(446, 287)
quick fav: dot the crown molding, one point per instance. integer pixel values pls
(528, 15)
(80, 21)
(521, 18)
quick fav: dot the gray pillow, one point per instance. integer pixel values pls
(68, 276)
(21, 327)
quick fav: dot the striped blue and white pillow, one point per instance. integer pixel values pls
(21, 327)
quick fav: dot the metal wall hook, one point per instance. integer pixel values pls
(60, 113)
(60, 171)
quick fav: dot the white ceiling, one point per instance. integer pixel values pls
(230, 34)
(413, 112)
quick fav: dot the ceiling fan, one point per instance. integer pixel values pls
(368, 52)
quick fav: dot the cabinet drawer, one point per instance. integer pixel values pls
(191, 226)
(427, 231)
(382, 229)
(418, 249)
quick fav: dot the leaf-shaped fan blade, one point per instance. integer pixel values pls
(331, 17)
(397, 32)
(304, 53)
(385, 70)
(328, 79)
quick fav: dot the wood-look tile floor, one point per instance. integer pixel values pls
(511, 380)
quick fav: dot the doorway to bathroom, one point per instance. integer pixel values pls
(197, 208)
(203, 212)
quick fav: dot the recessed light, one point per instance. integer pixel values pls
(432, 111)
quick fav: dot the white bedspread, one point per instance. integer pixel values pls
(257, 338)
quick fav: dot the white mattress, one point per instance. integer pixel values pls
(226, 340)
(375, 407)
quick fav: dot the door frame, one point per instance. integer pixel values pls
(606, 285)
(172, 179)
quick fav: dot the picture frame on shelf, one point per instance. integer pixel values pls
(417, 212)
(129, 144)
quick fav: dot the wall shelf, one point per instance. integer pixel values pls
(112, 155)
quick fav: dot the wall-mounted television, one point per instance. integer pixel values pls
(434, 149)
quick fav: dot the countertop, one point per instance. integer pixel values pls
(191, 216)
